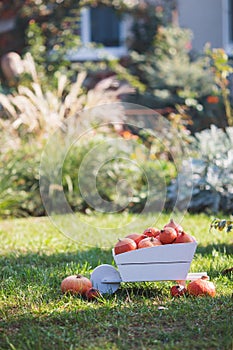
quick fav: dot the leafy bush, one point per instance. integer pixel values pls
(220, 64)
(175, 76)
(19, 182)
(125, 176)
(53, 58)
(50, 53)
(212, 179)
(168, 71)
(118, 171)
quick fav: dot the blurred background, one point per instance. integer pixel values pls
(174, 57)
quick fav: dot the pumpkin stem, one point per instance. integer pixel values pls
(79, 276)
(204, 277)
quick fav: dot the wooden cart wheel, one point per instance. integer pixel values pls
(106, 279)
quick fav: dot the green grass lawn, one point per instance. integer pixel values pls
(35, 257)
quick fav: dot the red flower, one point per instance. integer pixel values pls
(128, 135)
(212, 99)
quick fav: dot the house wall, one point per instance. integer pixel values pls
(204, 18)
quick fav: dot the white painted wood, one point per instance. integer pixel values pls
(227, 19)
(154, 272)
(90, 53)
(192, 276)
(85, 25)
(169, 262)
(106, 279)
(181, 252)
(159, 263)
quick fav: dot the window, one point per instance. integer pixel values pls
(103, 26)
(228, 26)
(231, 21)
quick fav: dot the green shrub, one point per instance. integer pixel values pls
(212, 178)
(174, 76)
(168, 71)
(121, 174)
(125, 179)
(19, 182)
(50, 55)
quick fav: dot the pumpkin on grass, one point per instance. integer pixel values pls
(201, 287)
(76, 284)
(178, 290)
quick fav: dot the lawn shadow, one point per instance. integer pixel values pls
(63, 328)
(92, 256)
(221, 248)
(44, 272)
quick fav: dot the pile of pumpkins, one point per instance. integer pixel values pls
(170, 234)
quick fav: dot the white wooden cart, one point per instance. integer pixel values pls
(170, 262)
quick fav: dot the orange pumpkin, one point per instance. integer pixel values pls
(148, 242)
(184, 237)
(124, 245)
(76, 284)
(136, 237)
(178, 291)
(174, 225)
(92, 294)
(167, 235)
(151, 232)
(201, 287)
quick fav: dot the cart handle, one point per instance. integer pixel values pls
(111, 280)
(192, 276)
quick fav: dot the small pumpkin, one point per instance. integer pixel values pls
(174, 225)
(76, 284)
(148, 242)
(92, 294)
(202, 286)
(136, 237)
(178, 291)
(151, 232)
(184, 237)
(167, 235)
(124, 245)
